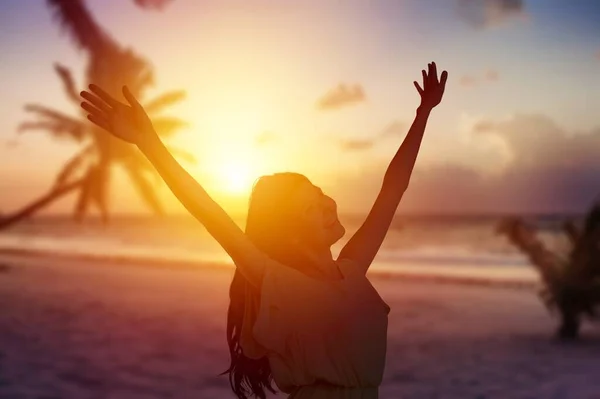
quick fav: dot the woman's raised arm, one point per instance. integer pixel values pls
(131, 123)
(367, 240)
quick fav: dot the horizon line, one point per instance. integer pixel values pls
(342, 214)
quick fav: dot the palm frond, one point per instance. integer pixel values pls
(167, 126)
(56, 122)
(164, 100)
(76, 19)
(25, 126)
(68, 82)
(50, 113)
(73, 164)
(144, 188)
(57, 130)
(182, 154)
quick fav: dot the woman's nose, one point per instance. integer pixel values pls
(330, 203)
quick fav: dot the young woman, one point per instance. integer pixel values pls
(313, 324)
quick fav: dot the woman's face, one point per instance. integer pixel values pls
(319, 226)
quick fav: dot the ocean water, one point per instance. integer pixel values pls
(461, 246)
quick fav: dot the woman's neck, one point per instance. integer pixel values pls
(323, 264)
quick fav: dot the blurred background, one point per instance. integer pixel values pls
(241, 89)
(238, 89)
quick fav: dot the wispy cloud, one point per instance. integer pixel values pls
(487, 76)
(10, 143)
(468, 81)
(265, 138)
(357, 145)
(482, 14)
(491, 75)
(341, 96)
(158, 4)
(394, 128)
(483, 126)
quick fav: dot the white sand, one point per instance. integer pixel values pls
(88, 329)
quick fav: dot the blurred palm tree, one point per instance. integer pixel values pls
(89, 171)
(571, 283)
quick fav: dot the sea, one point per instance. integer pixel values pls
(459, 246)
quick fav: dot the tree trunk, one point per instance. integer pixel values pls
(39, 204)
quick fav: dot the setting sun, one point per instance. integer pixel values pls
(236, 178)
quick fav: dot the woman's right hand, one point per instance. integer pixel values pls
(127, 122)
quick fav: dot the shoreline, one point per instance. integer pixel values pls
(83, 329)
(380, 270)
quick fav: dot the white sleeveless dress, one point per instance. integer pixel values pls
(323, 339)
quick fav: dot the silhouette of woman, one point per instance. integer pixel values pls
(313, 324)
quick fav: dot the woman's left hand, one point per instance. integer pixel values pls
(433, 89)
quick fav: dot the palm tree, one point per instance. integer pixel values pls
(89, 171)
(571, 285)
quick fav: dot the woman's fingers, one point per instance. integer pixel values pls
(96, 101)
(94, 110)
(100, 122)
(104, 96)
(433, 71)
(419, 89)
(130, 98)
(443, 79)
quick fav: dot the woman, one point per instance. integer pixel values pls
(313, 324)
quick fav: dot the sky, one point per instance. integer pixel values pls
(325, 88)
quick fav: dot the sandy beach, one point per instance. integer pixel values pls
(95, 329)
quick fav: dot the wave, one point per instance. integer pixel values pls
(456, 263)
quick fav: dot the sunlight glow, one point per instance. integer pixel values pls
(235, 161)
(236, 177)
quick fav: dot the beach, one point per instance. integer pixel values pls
(73, 328)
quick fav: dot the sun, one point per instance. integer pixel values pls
(236, 178)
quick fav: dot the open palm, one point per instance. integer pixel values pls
(433, 89)
(127, 122)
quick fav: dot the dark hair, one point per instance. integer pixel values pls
(268, 227)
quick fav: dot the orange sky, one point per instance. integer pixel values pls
(517, 129)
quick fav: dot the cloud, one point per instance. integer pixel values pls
(11, 143)
(467, 81)
(265, 138)
(483, 126)
(392, 129)
(357, 145)
(492, 75)
(552, 169)
(156, 4)
(598, 55)
(482, 14)
(537, 141)
(489, 75)
(341, 96)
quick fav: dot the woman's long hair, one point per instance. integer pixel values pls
(269, 225)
